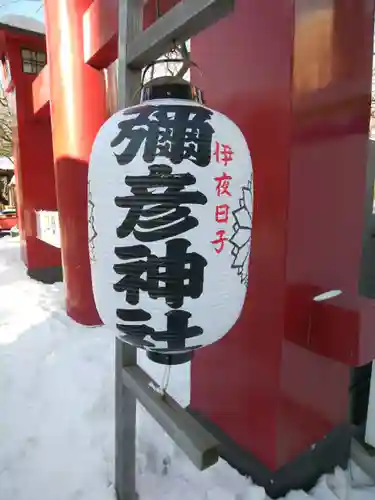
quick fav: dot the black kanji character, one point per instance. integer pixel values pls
(164, 217)
(172, 131)
(133, 315)
(175, 335)
(135, 333)
(177, 275)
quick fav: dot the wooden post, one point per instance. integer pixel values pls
(130, 24)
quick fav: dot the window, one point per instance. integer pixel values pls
(33, 62)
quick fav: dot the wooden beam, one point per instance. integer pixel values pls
(100, 29)
(182, 22)
(198, 444)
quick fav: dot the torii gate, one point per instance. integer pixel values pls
(296, 77)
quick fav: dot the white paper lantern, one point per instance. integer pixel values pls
(170, 216)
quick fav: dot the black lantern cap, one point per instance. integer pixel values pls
(170, 87)
(170, 359)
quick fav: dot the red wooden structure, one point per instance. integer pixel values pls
(32, 149)
(298, 83)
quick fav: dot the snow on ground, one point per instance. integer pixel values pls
(57, 412)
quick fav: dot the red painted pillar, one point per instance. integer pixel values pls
(78, 109)
(32, 150)
(278, 69)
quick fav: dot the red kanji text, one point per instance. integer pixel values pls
(222, 186)
(222, 214)
(223, 153)
(220, 241)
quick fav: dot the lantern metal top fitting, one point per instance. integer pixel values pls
(170, 87)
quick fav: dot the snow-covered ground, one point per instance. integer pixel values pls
(57, 412)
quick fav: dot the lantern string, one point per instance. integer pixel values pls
(165, 380)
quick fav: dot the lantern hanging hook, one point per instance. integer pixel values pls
(179, 53)
(163, 387)
(166, 60)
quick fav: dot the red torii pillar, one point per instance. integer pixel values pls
(32, 150)
(298, 82)
(78, 109)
